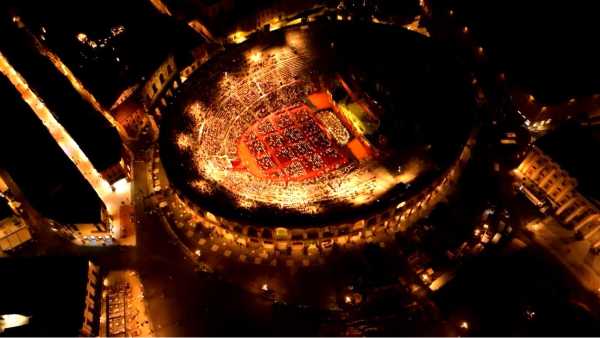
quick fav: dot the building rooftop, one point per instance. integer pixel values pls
(5, 210)
(570, 146)
(120, 47)
(48, 179)
(50, 290)
(92, 132)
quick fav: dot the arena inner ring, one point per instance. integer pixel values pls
(318, 134)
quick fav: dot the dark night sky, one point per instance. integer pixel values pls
(547, 46)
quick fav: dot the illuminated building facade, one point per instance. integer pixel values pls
(92, 297)
(320, 238)
(159, 82)
(13, 233)
(557, 186)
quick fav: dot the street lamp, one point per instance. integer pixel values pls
(12, 320)
(82, 37)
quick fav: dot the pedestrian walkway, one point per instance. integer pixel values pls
(574, 254)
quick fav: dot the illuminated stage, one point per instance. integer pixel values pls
(290, 146)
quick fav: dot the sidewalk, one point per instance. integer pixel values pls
(573, 254)
(127, 222)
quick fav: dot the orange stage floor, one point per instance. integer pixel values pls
(289, 145)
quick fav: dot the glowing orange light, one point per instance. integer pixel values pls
(256, 57)
(82, 37)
